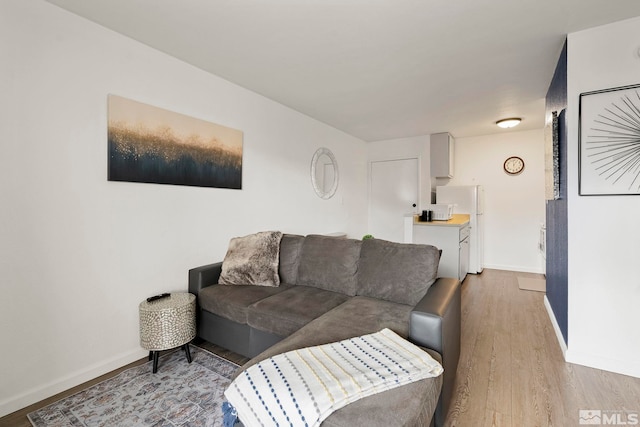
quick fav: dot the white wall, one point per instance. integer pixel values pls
(78, 253)
(514, 205)
(604, 231)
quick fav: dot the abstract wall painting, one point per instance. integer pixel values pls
(609, 140)
(552, 158)
(152, 145)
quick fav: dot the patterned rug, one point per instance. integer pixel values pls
(180, 394)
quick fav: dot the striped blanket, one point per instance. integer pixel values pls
(303, 387)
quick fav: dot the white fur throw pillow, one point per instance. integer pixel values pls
(252, 260)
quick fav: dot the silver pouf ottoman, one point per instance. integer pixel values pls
(167, 322)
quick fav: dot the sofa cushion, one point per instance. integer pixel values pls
(286, 312)
(329, 263)
(356, 316)
(252, 260)
(359, 316)
(232, 302)
(396, 272)
(411, 404)
(290, 248)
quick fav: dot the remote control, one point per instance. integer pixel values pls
(157, 297)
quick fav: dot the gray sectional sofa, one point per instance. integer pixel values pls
(333, 289)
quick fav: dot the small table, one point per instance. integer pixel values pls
(167, 323)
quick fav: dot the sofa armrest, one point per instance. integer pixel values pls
(435, 320)
(435, 323)
(206, 275)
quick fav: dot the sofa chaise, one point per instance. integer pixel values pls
(327, 289)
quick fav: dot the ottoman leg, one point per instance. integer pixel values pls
(155, 361)
(150, 355)
(188, 353)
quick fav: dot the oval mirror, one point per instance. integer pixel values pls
(324, 173)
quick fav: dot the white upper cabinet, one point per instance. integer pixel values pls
(441, 154)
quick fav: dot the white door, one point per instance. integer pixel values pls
(394, 193)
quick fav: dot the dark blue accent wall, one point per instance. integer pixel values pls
(556, 210)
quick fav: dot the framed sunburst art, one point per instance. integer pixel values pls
(609, 140)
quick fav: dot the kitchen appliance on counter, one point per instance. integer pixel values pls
(440, 212)
(468, 199)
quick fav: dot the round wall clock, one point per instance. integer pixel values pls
(513, 165)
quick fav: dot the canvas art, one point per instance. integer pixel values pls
(609, 135)
(153, 145)
(552, 159)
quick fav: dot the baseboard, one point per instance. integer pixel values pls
(605, 364)
(521, 269)
(556, 328)
(611, 365)
(45, 391)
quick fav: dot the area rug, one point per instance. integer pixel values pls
(532, 284)
(179, 394)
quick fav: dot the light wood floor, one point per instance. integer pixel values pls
(511, 371)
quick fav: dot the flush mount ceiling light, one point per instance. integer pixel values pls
(509, 123)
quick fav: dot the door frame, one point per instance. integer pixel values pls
(379, 159)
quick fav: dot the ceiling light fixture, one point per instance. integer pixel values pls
(509, 123)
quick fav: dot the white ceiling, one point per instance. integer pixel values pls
(376, 69)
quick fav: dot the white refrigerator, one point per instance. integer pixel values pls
(468, 199)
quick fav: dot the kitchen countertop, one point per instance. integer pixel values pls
(457, 220)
